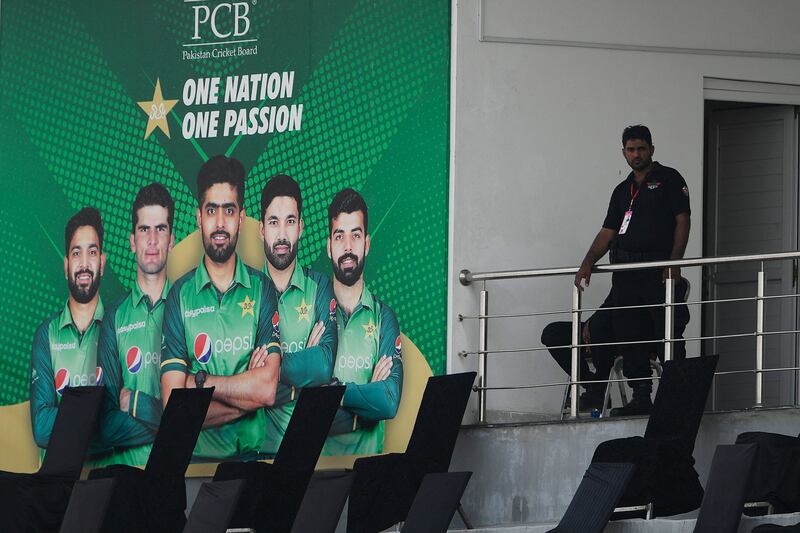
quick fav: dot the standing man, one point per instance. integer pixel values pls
(648, 219)
(369, 356)
(129, 353)
(306, 305)
(65, 345)
(218, 317)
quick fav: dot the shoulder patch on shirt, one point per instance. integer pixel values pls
(685, 191)
(275, 320)
(398, 347)
(332, 310)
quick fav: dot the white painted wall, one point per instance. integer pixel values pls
(536, 142)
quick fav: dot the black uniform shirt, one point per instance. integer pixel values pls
(662, 195)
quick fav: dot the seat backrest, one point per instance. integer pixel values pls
(601, 488)
(88, 506)
(323, 501)
(308, 427)
(177, 434)
(436, 502)
(439, 418)
(724, 496)
(214, 506)
(75, 422)
(680, 400)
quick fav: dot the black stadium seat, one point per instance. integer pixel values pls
(597, 495)
(154, 499)
(385, 485)
(37, 502)
(274, 492)
(665, 475)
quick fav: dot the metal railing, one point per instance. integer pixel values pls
(467, 278)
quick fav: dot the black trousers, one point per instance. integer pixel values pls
(600, 330)
(644, 287)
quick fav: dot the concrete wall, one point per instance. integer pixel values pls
(538, 107)
(529, 473)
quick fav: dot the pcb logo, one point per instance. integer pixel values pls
(231, 15)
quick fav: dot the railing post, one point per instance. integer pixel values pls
(669, 300)
(483, 346)
(760, 335)
(576, 338)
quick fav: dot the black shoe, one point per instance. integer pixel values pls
(639, 405)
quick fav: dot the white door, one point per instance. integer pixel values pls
(752, 208)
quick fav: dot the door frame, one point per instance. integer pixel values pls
(752, 93)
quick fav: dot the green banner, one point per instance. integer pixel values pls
(100, 98)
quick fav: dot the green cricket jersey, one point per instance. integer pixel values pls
(61, 357)
(205, 329)
(129, 356)
(369, 333)
(308, 299)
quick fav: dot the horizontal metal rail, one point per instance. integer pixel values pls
(626, 380)
(466, 277)
(676, 304)
(623, 343)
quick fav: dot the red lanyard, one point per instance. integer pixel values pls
(633, 196)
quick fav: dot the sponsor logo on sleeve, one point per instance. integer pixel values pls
(332, 310)
(398, 347)
(276, 317)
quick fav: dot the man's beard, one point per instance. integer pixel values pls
(81, 295)
(280, 262)
(641, 165)
(350, 276)
(220, 254)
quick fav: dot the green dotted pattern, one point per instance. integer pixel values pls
(84, 125)
(364, 91)
(375, 118)
(25, 287)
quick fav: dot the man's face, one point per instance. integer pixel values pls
(219, 219)
(84, 264)
(152, 239)
(281, 230)
(348, 246)
(638, 153)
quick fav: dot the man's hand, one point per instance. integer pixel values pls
(671, 272)
(382, 369)
(316, 335)
(124, 399)
(584, 273)
(600, 245)
(258, 358)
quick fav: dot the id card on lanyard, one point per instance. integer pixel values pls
(626, 220)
